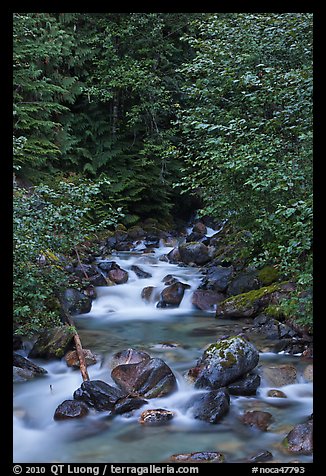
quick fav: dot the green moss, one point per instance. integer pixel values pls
(221, 349)
(245, 300)
(268, 275)
(274, 311)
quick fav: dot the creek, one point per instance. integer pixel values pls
(121, 319)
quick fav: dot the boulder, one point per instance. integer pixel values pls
(72, 360)
(118, 275)
(70, 409)
(157, 416)
(245, 386)
(174, 256)
(25, 364)
(210, 406)
(252, 303)
(129, 356)
(244, 282)
(128, 404)
(205, 300)
(124, 246)
(200, 228)
(217, 278)
(98, 394)
(80, 269)
(148, 378)
(198, 457)
(106, 265)
(21, 375)
(53, 343)
(75, 302)
(257, 419)
(194, 252)
(299, 440)
(279, 375)
(141, 274)
(224, 362)
(169, 279)
(136, 233)
(308, 373)
(147, 293)
(98, 280)
(172, 295)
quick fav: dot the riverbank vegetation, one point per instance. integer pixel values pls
(123, 117)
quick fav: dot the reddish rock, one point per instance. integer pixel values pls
(70, 409)
(129, 356)
(72, 360)
(199, 228)
(206, 299)
(118, 276)
(257, 419)
(172, 295)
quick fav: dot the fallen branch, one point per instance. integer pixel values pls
(79, 348)
(81, 264)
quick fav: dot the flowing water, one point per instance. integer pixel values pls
(120, 319)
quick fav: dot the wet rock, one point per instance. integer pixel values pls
(140, 272)
(257, 419)
(300, 440)
(80, 269)
(276, 393)
(53, 343)
(129, 356)
(205, 300)
(70, 409)
(128, 404)
(198, 457)
(118, 275)
(75, 302)
(308, 373)
(245, 386)
(174, 256)
(169, 279)
(194, 253)
(98, 394)
(21, 375)
(217, 278)
(243, 282)
(224, 362)
(147, 293)
(157, 416)
(260, 456)
(72, 360)
(279, 375)
(172, 295)
(210, 406)
(198, 237)
(148, 378)
(22, 363)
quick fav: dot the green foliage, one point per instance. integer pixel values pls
(246, 128)
(47, 225)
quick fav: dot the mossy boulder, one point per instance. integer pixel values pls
(53, 343)
(252, 303)
(268, 275)
(224, 362)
